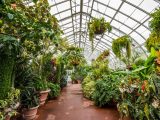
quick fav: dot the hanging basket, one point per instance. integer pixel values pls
(75, 63)
(100, 31)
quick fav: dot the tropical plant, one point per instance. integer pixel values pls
(29, 97)
(139, 99)
(119, 45)
(100, 68)
(103, 55)
(139, 92)
(80, 72)
(63, 81)
(9, 105)
(88, 87)
(74, 56)
(152, 41)
(98, 26)
(29, 26)
(55, 90)
(8, 54)
(155, 22)
(106, 90)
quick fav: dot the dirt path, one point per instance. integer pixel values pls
(71, 105)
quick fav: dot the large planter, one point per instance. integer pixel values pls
(43, 96)
(30, 114)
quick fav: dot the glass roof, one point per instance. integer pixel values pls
(129, 17)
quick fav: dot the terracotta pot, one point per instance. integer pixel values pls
(43, 96)
(79, 81)
(7, 117)
(127, 118)
(30, 114)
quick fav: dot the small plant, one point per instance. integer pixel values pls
(98, 26)
(9, 105)
(88, 87)
(55, 90)
(29, 97)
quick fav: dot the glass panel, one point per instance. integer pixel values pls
(149, 5)
(115, 3)
(110, 12)
(127, 9)
(65, 14)
(101, 8)
(121, 17)
(135, 2)
(125, 29)
(137, 38)
(53, 10)
(138, 15)
(131, 23)
(67, 21)
(147, 23)
(146, 33)
(141, 29)
(63, 6)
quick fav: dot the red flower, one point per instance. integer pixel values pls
(143, 87)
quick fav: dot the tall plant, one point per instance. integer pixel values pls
(8, 52)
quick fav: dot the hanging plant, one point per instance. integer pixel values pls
(74, 56)
(155, 22)
(118, 46)
(98, 26)
(152, 41)
(103, 55)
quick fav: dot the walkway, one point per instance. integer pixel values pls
(71, 105)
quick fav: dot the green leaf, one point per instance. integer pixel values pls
(153, 52)
(139, 69)
(35, 1)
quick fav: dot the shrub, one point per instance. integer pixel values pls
(55, 90)
(88, 87)
(106, 90)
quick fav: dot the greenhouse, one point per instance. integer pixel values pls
(79, 60)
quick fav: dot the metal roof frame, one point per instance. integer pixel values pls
(79, 30)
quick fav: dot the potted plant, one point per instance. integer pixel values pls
(42, 67)
(30, 102)
(42, 87)
(55, 90)
(98, 26)
(9, 105)
(118, 46)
